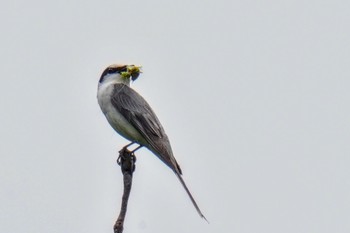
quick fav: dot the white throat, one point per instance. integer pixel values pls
(105, 89)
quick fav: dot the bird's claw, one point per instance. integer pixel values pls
(126, 160)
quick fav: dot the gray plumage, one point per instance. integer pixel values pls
(132, 117)
(140, 115)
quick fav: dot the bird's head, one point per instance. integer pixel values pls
(121, 73)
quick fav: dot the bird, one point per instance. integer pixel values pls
(131, 116)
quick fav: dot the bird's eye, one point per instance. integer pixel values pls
(111, 70)
(119, 69)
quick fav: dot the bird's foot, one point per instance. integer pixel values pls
(126, 160)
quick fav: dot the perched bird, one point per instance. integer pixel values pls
(131, 116)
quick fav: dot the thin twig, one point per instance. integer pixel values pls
(126, 161)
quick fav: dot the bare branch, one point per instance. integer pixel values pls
(126, 161)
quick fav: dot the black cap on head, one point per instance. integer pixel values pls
(113, 69)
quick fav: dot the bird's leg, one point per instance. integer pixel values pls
(128, 145)
(126, 160)
(125, 149)
(136, 149)
(131, 153)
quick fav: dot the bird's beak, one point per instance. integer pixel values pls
(134, 71)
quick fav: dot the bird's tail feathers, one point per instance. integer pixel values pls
(190, 195)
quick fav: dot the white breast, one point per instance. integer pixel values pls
(114, 117)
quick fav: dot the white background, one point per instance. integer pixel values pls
(254, 96)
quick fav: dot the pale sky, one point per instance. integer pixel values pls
(254, 96)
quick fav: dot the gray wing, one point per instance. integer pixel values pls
(137, 111)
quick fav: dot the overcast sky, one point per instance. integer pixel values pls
(254, 96)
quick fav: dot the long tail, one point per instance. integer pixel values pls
(190, 195)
